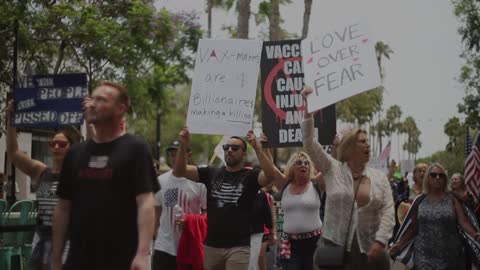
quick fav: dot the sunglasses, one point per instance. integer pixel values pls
(435, 175)
(60, 144)
(300, 162)
(234, 147)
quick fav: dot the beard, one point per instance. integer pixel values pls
(232, 161)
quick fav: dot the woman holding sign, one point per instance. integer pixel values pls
(301, 201)
(45, 179)
(359, 213)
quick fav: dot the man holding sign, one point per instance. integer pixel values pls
(231, 191)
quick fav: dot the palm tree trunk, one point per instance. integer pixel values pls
(275, 20)
(243, 7)
(306, 17)
(209, 17)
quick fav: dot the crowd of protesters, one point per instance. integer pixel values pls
(114, 210)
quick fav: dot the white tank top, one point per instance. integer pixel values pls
(302, 211)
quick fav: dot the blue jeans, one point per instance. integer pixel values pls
(301, 254)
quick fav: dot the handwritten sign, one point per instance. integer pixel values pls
(222, 98)
(50, 100)
(282, 104)
(339, 63)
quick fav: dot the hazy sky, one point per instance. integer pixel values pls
(420, 75)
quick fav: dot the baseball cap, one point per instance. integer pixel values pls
(175, 145)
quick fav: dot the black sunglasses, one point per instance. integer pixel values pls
(441, 175)
(300, 162)
(234, 147)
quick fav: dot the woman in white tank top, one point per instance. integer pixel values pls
(301, 201)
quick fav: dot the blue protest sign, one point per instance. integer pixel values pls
(50, 101)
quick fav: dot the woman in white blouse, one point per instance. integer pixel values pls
(373, 212)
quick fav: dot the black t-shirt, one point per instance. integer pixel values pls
(230, 197)
(261, 214)
(47, 197)
(102, 181)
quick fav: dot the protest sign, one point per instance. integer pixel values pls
(339, 63)
(282, 103)
(379, 164)
(50, 100)
(222, 98)
(407, 166)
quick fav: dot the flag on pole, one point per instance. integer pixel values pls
(472, 165)
(386, 152)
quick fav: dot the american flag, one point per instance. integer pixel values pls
(472, 166)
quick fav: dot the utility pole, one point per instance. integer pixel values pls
(11, 198)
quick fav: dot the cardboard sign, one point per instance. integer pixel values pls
(407, 166)
(222, 99)
(282, 103)
(339, 63)
(50, 100)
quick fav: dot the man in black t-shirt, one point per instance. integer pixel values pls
(106, 193)
(231, 191)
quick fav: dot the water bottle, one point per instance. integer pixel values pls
(178, 212)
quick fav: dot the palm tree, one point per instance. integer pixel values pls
(306, 17)
(243, 8)
(382, 50)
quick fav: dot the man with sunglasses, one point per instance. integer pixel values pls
(106, 192)
(231, 191)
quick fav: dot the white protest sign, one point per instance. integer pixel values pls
(224, 84)
(378, 164)
(407, 166)
(339, 63)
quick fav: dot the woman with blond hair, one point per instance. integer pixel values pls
(418, 176)
(301, 202)
(431, 227)
(359, 213)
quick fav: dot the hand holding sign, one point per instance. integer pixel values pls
(306, 91)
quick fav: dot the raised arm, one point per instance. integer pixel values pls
(31, 167)
(313, 148)
(269, 172)
(86, 103)
(181, 168)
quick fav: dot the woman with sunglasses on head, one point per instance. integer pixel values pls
(359, 212)
(432, 224)
(45, 179)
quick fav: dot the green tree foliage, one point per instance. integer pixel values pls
(131, 42)
(468, 12)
